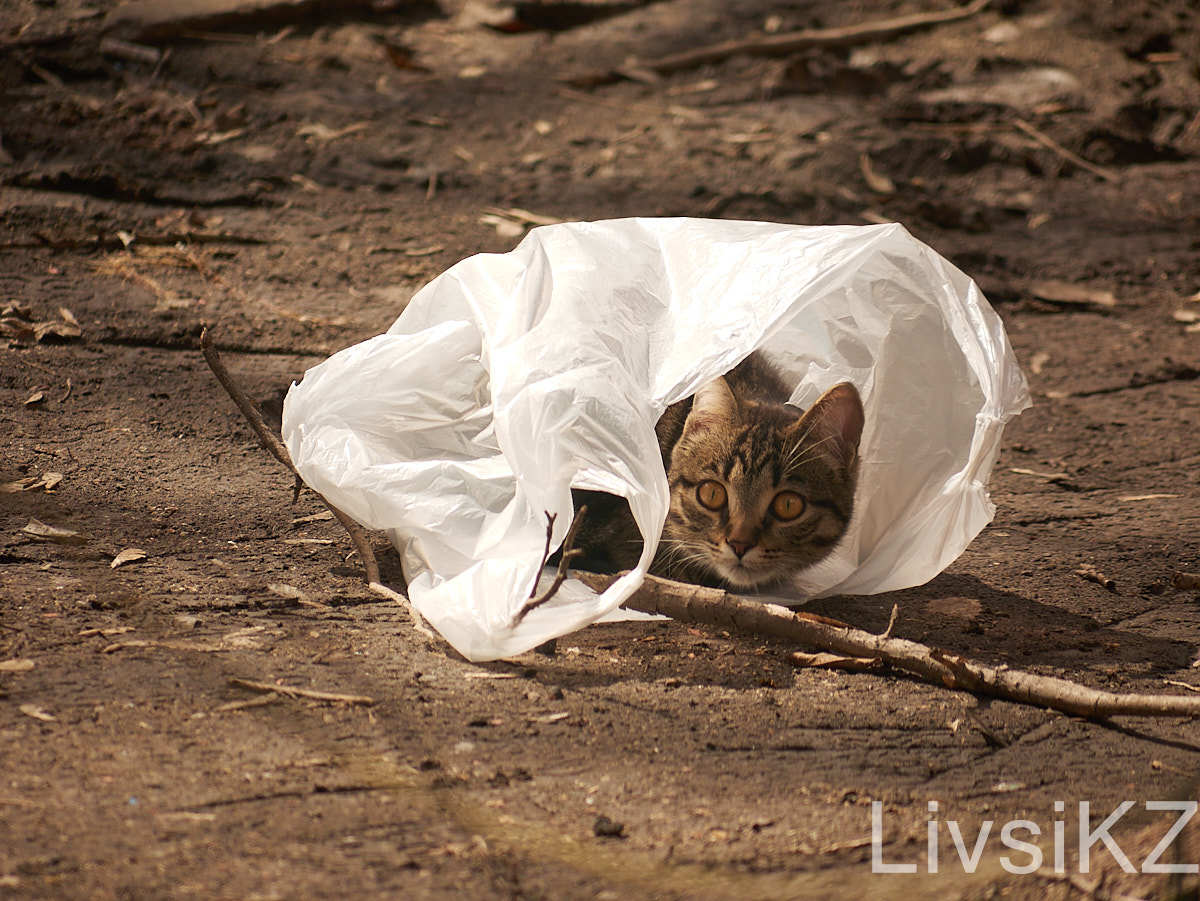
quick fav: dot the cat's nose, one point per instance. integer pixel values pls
(739, 547)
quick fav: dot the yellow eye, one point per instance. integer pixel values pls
(711, 494)
(787, 505)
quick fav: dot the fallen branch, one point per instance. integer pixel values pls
(291, 692)
(569, 553)
(787, 43)
(273, 444)
(714, 607)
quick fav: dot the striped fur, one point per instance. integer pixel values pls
(739, 433)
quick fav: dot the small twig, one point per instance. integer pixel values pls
(887, 633)
(1186, 685)
(1046, 141)
(273, 444)
(1089, 573)
(289, 691)
(569, 553)
(789, 43)
(66, 393)
(712, 606)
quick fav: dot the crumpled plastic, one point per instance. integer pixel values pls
(512, 377)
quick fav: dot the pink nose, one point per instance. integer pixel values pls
(739, 547)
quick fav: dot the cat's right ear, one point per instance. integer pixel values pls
(836, 417)
(712, 406)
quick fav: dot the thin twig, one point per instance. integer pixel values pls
(418, 621)
(712, 606)
(273, 444)
(790, 42)
(291, 692)
(569, 553)
(887, 633)
(1046, 141)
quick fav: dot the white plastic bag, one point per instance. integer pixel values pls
(512, 377)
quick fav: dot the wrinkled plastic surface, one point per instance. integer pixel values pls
(512, 377)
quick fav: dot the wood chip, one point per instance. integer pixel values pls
(286, 591)
(1041, 475)
(550, 717)
(36, 398)
(16, 665)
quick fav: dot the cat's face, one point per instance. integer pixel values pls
(759, 491)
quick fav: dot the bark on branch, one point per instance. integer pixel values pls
(714, 607)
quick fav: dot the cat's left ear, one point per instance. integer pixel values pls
(836, 420)
(712, 405)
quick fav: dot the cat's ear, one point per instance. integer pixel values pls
(713, 405)
(836, 421)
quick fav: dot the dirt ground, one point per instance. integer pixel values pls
(294, 180)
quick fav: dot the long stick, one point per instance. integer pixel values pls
(714, 607)
(793, 41)
(273, 444)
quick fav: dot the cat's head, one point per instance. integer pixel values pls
(759, 491)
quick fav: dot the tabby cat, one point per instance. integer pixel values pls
(759, 489)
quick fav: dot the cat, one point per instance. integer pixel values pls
(760, 490)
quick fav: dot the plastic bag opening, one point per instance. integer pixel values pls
(511, 378)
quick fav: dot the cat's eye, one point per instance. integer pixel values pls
(787, 505)
(711, 494)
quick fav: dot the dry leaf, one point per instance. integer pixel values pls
(315, 517)
(50, 480)
(1038, 362)
(129, 555)
(876, 181)
(37, 713)
(323, 133)
(36, 398)
(16, 665)
(26, 484)
(1069, 292)
(40, 531)
(1186, 316)
(505, 228)
(826, 660)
